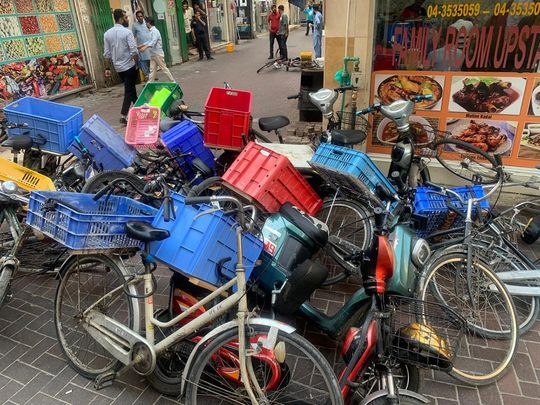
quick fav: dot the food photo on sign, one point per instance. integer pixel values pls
(492, 136)
(530, 142)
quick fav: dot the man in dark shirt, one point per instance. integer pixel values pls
(273, 27)
(199, 28)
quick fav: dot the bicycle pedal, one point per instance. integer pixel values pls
(104, 380)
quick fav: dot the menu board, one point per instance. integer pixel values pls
(480, 63)
(40, 52)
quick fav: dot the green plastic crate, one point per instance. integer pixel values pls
(160, 94)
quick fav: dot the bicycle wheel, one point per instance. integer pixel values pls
(475, 166)
(304, 375)
(83, 280)
(100, 180)
(403, 398)
(479, 360)
(350, 228)
(266, 65)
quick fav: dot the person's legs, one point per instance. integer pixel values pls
(285, 55)
(200, 46)
(307, 27)
(145, 65)
(160, 61)
(317, 44)
(206, 50)
(272, 39)
(130, 91)
(153, 70)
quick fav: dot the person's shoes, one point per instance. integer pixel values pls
(307, 34)
(201, 58)
(210, 58)
(270, 57)
(123, 120)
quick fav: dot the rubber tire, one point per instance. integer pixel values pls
(96, 183)
(421, 293)
(71, 265)
(199, 362)
(360, 208)
(6, 273)
(404, 399)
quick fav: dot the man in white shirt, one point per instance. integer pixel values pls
(157, 57)
(142, 36)
(120, 48)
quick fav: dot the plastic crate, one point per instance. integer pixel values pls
(353, 162)
(432, 204)
(108, 149)
(269, 179)
(52, 125)
(143, 127)
(186, 137)
(159, 94)
(79, 222)
(227, 116)
(196, 245)
(25, 178)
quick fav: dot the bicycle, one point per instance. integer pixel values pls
(236, 352)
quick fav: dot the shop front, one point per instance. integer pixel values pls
(479, 62)
(218, 28)
(40, 49)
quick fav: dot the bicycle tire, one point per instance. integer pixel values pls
(481, 173)
(97, 182)
(98, 361)
(266, 65)
(356, 234)
(402, 399)
(291, 341)
(460, 295)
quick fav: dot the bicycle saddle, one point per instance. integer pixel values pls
(348, 137)
(19, 142)
(167, 123)
(201, 167)
(272, 123)
(305, 223)
(145, 232)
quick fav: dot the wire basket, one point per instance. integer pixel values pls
(348, 120)
(426, 334)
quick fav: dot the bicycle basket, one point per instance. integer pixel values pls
(426, 334)
(348, 120)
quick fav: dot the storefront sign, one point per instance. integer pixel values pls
(478, 60)
(40, 52)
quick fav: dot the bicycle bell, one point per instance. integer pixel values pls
(324, 100)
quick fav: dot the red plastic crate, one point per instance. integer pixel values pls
(269, 179)
(143, 126)
(227, 115)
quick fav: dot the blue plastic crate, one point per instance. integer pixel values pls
(52, 125)
(78, 222)
(197, 245)
(353, 162)
(432, 204)
(108, 149)
(186, 137)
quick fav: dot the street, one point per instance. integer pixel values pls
(33, 369)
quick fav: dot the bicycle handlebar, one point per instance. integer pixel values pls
(377, 106)
(293, 97)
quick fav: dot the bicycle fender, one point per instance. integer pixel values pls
(382, 393)
(225, 327)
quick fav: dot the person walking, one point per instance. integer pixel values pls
(157, 56)
(142, 35)
(309, 18)
(199, 27)
(121, 49)
(273, 27)
(283, 33)
(317, 31)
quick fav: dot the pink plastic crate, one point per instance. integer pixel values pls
(143, 126)
(227, 116)
(268, 178)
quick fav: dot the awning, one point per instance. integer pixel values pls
(298, 3)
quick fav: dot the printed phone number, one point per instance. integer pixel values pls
(474, 9)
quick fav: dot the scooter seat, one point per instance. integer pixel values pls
(201, 167)
(167, 123)
(272, 123)
(145, 232)
(19, 142)
(348, 137)
(305, 223)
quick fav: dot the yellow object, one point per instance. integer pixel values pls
(306, 56)
(426, 336)
(229, 47)
(25, 178)
(159, 97)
